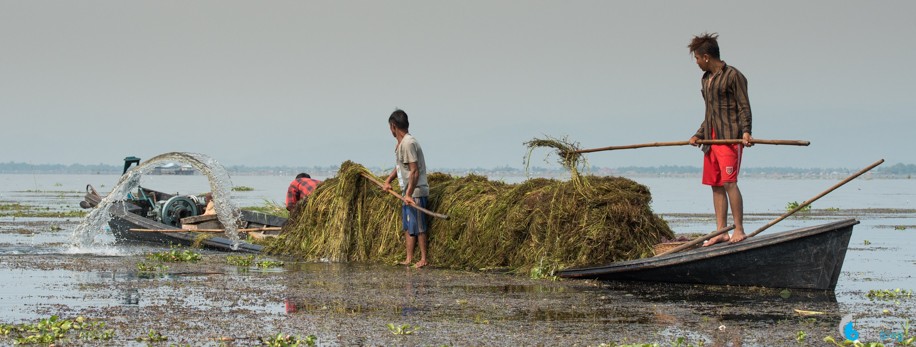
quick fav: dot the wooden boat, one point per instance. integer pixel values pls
(806, 258)
(135, 213)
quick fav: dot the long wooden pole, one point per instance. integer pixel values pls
(778, 219)
(697, 240)
(380, 185)
(806, 203)
(204, 230)
(702, 142)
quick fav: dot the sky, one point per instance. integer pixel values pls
(305, 83)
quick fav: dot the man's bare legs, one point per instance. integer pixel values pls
(410, 245)
(723, 197)
(422, 262)
(737, 205)
(720, 205)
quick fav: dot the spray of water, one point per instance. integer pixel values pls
(87, 233)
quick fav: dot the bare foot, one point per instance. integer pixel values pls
(419, 264)
(406, 262)
(721, 238)
(737, 236)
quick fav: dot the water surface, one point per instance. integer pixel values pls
(209, 302)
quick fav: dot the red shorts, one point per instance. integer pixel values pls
(721, 164)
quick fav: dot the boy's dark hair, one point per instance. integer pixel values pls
(303, 175)
(399, 119)
(705, 44)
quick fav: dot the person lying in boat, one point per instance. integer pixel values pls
(299, 189)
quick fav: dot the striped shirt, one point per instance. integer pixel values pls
(298, 189)
(728, 109)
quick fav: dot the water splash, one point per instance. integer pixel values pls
(90, 230)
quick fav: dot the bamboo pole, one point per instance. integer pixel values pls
(806, 203)
(205, 230)
(702, 142)
(778, 219)
(431, 213)
(697, 240)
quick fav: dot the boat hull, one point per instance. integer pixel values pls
(124, 217)
(807, 258)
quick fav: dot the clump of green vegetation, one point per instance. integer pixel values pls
(240, 260)
(285, 340)
(542, 272)
(800, 336)
(889, 294)
(271, 208)
(403, 329)
(152, 336)
(51, 331)
(785, 293)
(248, 260)
(566, 152)
(900, 227)
(266, 264)
(145, 268)
(242, 189)
(866, 242)
(795, 204)
(541, 222)
(28, 211)
(175, 256)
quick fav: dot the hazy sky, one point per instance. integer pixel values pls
(312, 83)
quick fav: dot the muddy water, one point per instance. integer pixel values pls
(352, 304)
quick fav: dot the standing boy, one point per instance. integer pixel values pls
(410, 170)
(728, 116)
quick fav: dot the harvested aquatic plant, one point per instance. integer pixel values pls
(541, 222)
(567, 154)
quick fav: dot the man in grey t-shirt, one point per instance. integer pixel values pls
(410, 170)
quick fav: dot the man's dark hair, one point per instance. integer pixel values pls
(705, 44)
(303, 175)
(399, 119)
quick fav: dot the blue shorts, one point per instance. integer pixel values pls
(412, 220)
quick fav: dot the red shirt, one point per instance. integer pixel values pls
(298, 189)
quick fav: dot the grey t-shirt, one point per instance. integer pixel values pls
(409, 151)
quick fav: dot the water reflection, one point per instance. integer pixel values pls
(130, 296)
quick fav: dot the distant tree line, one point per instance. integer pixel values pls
(25, 168)
(899, 170)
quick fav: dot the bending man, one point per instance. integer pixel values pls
(410, 170)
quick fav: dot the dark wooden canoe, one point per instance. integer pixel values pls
(124, 216)
(806, 258)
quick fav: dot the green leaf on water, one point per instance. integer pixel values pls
(785, 293)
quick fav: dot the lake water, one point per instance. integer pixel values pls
(349, 304)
